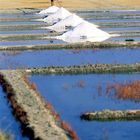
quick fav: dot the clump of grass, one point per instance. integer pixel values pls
(126, 91)
(5, 136)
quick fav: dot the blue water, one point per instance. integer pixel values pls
(68, 57)
(122, 39)
(117, 20)
(103, 17)
(70, 100)
(21, 23)
(17, 15)
(67, 97)
(133, 29)
(25, 32)
(31, 42)
(7, 122)
(101, 13)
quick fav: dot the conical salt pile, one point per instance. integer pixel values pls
(48, 11)
(61, 13)
(67, 23)
(70, 21)
(85, 31)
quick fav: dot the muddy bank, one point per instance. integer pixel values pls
(84, 69)
(38, 120)
(108, 115)
(102, 45)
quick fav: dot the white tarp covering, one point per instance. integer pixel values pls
(85, 31)
(48, 11)
(67, 23)
(60, 14)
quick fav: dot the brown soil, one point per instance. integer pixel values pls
(74, 4)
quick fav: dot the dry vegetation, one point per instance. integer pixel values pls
(78, 4)
(128, 90)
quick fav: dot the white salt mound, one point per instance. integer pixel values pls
(85, 31)
(70, 21)
(60, 14)
(67, 23)
(48, 11)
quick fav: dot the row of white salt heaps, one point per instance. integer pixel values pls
(77, 29)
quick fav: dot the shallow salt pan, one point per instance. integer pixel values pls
(48, 11)
(60, 14)
(67, 23)
(85, 31)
